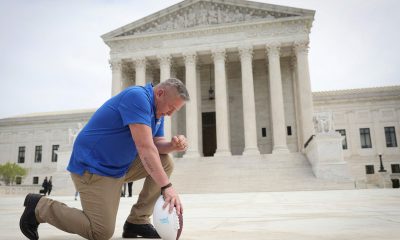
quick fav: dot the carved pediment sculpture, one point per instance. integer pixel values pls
(204, 13)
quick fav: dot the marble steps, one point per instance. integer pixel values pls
(264, 173)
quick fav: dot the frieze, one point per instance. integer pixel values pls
(205, 14)
(215, 35)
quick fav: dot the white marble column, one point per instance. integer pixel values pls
(249, 108)
(165, 73)
(192, 113)
(117, 81)
(199, 110)
(304, 90)
(175, 117)
(221, 104)
(299, 132)
(140, 69)
(277, 106)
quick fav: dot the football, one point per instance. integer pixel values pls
(168, 226)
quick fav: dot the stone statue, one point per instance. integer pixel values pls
(73, 133)
(238, 16)
(203, 15)
(180, 21)
(213, 15)
(191, 18)
(323, 122)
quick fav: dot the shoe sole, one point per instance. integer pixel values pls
(130, 236)
(27, 234)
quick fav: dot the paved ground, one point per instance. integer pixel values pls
(309, 215)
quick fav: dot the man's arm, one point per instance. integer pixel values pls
(148, 153)
(150, 158)
(177, 143)
(163, 145)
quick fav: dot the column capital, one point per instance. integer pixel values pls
(115, 64)
(164, 59)
(273, 49)
(218, 54)
(139, 62)
(190, 57)
(246, 51)
(300, 47)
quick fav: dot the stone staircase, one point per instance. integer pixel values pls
(235, 174)
(268, 172)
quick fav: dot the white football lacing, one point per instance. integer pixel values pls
(176, 220)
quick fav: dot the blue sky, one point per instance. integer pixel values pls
(53, 59)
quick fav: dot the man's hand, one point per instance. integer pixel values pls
(179, 143)
(171, 198)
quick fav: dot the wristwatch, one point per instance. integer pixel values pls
(165, 187)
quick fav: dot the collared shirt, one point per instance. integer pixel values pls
(105, 146)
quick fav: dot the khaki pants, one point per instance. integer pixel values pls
(100, 200)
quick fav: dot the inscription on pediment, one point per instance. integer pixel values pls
(205, 14)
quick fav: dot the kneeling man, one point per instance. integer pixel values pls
(122, 142)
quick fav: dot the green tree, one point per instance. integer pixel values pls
(9, 172)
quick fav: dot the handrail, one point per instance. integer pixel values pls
(308, 141)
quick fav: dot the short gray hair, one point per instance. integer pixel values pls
(178, 85)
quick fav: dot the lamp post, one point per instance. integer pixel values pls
(382, 169)
(211, 90)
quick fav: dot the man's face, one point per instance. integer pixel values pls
(167, 103)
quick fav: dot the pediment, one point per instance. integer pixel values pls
(205, 13)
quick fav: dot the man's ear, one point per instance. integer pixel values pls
(159, 92)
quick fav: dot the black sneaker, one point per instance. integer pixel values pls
(139, 231)
(28, 222)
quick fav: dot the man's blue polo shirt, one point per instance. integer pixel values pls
(105, 145)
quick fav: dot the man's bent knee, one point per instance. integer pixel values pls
(104, 233)
(167, 162)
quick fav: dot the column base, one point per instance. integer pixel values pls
(192, 154)
(280, 149)
(251, 152)
(222, 153)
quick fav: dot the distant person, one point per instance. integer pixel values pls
(123, 190)
(49, 186)
(76, 195)
(45, 186)
(130, 189)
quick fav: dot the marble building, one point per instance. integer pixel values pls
(202, 42)
(245, 65)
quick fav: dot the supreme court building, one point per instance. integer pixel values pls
(252, 117)
(254, 56)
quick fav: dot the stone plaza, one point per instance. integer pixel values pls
(369, 214)
(267, 159)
